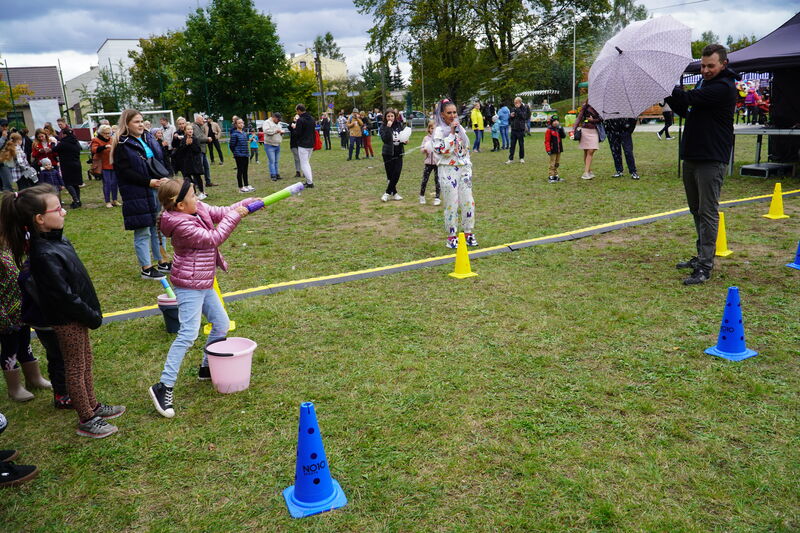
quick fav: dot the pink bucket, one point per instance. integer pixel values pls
(230, 361)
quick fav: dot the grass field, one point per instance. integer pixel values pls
(564, 388)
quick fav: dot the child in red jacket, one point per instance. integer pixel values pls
(554, 145)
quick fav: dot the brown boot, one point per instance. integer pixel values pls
(15, 389)
(33, 378)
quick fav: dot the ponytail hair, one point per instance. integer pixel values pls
(17, 213)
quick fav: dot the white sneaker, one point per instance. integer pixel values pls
(397, 197)
(243, 189)
(250, 188)
(509, 162)
(385, 197)
(522, 161)
(422, 200)
(202, 196)
(591, 174)
(586, 177)
(436, 201)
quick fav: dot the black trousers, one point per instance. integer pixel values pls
(668, 119)
(211, 146)
(241, 170)
(619, 142)
(327, 136)
(343, 135)
(393, 166)
(517, 137)
(425, 175)
(702, 181)
(55, 361)
(197, 179)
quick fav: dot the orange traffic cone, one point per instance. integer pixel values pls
(462, 269)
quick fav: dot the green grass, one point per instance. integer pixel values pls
(564, 388)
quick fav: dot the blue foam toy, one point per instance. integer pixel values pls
(796, 263)
(314, 491)
(730, 344)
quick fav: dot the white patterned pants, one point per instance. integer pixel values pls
(456, 185)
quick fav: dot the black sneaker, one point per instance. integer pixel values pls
(165, 268)
(162, 399)
(309, 185)
(297, 174)
(634, 176)
(8, 455)
(699, 275)
(617, 174)
(151, 273)
(691, 263)
(203, 373)
(273, 177)
(62, 401)
(11, 474)
(278, 176)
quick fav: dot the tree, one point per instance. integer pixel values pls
(371, 74)
(742, 42)
(706, 38)
(229, 61)
(5, 96)
(327, 47)
(114, 91)
(396, 79)
(153, 76)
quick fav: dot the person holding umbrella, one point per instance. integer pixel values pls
(706, 147)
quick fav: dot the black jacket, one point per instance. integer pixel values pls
(139, 205)
(325, 125)
(69, 157)
(304, 131)
(708, 134)
(520, 119)
(64, 289)
(389, 148)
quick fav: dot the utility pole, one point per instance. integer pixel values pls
(383, 82)
(422, 77)
(318, 68)
(574, 24)
(64, 89)
(10, 91)
(114, 84)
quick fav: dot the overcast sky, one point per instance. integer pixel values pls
(39, 33)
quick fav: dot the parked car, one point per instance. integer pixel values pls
(417, 119)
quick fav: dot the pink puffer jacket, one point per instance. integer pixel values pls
(196, 241)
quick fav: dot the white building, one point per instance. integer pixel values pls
(116, 50)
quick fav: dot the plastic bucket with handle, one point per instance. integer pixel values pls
(169, 308)
(230, 361)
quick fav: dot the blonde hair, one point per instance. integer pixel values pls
(9, 151)
(167, 195)
(122, 129)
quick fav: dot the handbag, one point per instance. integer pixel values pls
(317, 141)
(577, 135)
(155, 168)
(97, 166)
(601, 132)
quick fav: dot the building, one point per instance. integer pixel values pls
(44, 82)
(332, 69)
(114, 51)
(76, 88)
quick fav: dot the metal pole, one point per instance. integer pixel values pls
(422, 77)
(574, 24)
(205, 83)
(114, 84)
(10, 92)
(318, 68)
(64, 88)
(383, 83)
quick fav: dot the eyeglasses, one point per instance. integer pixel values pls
(59, 208)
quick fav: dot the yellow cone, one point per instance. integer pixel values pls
(207, 328)
(463, 269)
(776, 205)
(722, 238)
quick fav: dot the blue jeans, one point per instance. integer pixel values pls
(207, 168)
(191, 303)
(504, 137)
(273, 154)
(478, 137)
(145, 242)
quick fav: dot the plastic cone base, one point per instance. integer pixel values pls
(207, 327)
(726, 253)
(732, 356)
(462, 276)
(793, 265)
(300, 509)
(775, 217)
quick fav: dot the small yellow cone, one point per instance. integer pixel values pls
(207, 328)
(722, 238)
(776, 205)
(463, 269)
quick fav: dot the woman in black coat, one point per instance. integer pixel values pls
(392, 153)
(69, 155)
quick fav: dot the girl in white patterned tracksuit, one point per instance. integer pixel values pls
(450, 146)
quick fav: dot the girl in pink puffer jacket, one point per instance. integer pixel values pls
(197, 230)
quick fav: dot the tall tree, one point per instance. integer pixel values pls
(114, 91)
(325, 45)
(153, 75)
(737, 44)
(230, 60)
(396, 78)
(706, 38)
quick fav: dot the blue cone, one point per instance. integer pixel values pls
(314, 491)
(796, 263)
(731, 345)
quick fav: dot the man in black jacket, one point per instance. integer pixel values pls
(705, 150)
(304, 127)
(518, 121)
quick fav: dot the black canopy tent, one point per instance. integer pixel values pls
(778, 53)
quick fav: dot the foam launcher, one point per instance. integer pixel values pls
(291, 190)
(167, 288)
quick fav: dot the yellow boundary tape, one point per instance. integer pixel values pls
(442, 257)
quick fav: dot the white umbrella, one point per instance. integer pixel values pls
(639, 66)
